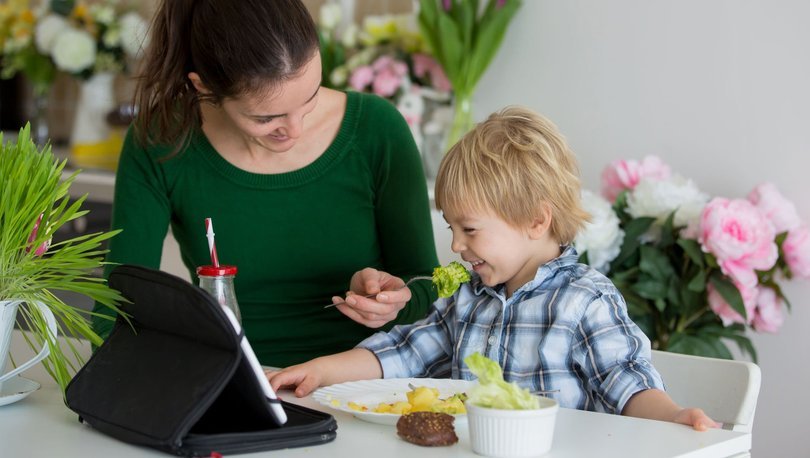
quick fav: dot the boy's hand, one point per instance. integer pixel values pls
(303, 378)
(695, 418)
(378, 310)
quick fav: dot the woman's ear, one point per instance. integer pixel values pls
(197, 83)
(541, 224)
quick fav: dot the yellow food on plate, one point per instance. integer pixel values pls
(356, 406)
(420, 399)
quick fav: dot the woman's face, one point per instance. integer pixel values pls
(275, 120)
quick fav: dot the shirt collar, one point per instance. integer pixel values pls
(568, 257)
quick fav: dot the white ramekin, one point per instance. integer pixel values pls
(512, 433)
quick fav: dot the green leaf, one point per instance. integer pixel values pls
(655, 263)
(667, 232)
(729, 292)
(429, 27)
(583, 258)
(699, 345)
(650, 289)
(487, 41)
(452, 53)
(692, 249)
(632, 231)
(698, 282)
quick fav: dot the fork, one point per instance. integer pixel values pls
(421, 277)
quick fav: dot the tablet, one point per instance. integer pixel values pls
(276, 410)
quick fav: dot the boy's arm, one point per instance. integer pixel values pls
(657, 405)
(355, 364)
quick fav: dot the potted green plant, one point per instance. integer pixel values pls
(34, 203)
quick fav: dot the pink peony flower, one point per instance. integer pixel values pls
(727, 314)
(768, 315)
(388, 75)
(425, 65)
(361, 77)
(626, 174)
(386, 83)
(780, 211)
(797, 251)
(740, 237)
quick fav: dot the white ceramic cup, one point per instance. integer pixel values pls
(512, 433)
(8, 315)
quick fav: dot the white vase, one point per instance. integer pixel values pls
(96, 100)
(8, 314)
(94, 142)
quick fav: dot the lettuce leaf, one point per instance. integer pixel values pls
(493, 391)
(448, 279)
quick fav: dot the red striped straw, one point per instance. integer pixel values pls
(212, 248)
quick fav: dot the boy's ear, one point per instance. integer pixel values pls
(541, 224)
(197, 83)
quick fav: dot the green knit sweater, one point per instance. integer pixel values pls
(295, 237)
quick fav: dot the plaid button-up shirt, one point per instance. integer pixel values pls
(565, 330)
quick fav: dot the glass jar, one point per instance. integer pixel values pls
(218, 282)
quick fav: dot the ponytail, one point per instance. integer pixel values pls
(168, 106)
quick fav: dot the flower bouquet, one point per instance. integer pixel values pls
(695, 272)
(387, 56)
(464, 38)
(70, 36)
(34, 204)
(90, 42)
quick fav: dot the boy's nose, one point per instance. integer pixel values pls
(456, 245)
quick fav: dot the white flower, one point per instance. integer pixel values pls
(46, 31)
(602, 237)
(74, 51)
(339, 75)
(133, 34)
(330, 15)
(103, 14)
(659, 198)
(349, 36)
(112, 37)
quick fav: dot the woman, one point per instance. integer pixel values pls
(305, 185)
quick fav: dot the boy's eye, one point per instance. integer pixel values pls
(468, 230)
(265, 120)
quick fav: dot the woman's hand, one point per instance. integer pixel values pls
(378, 310)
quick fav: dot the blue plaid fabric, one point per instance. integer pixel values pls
(566, 330)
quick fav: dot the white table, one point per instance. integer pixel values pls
(41, 426)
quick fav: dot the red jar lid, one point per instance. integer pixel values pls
(213, 271)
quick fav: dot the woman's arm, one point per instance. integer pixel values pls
(404, 225)
(141, 209)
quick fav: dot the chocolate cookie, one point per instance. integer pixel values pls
(427, 428)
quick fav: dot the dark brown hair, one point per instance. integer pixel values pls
(237, 47)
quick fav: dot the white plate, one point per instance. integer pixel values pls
(372, 392)
(16, 388)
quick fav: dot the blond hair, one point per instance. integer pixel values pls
(512, 164)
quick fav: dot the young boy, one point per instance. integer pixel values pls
(510, 192)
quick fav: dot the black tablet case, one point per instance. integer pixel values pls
(175, 379)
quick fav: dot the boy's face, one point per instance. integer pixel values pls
(497, 251)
